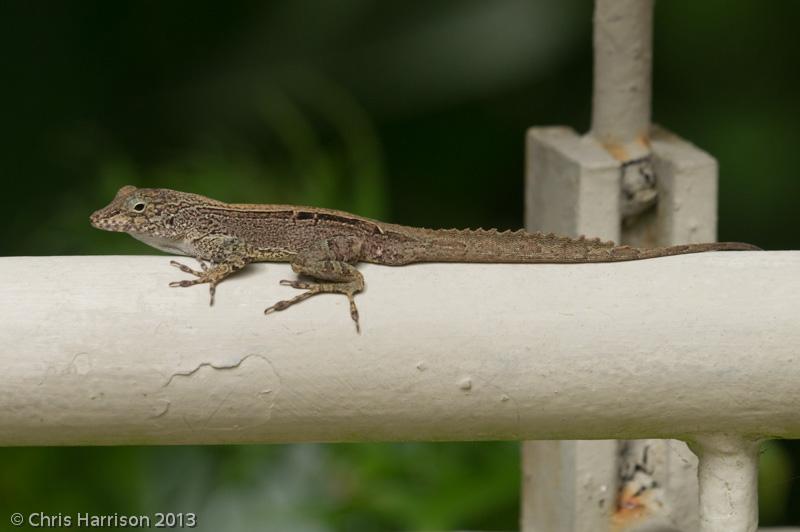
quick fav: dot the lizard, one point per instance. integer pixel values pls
(325, 245)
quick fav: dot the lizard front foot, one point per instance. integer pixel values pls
(208, 275)
(349, 289)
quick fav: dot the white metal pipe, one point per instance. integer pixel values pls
(728, 474)
(98, 350)
(623, 50)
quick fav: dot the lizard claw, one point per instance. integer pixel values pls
(185, 283)
(318, 288)
(202, 277)
(299, 284)
(185, 269)
(286, 303)
(212, 286)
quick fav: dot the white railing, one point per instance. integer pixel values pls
(98, 350)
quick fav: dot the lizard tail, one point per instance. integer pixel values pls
(451, 245)
(625, 253)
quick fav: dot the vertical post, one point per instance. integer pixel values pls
(621, 101)
(586, 185)
(568, 485)
(728, 474)
(623, 55)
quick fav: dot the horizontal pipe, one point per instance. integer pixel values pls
(99, 350)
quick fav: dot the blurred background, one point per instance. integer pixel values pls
(411, 112)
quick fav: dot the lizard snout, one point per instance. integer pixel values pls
(102, 219)
(96, 219)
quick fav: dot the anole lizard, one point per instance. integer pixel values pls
(325, 245)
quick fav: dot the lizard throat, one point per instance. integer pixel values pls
(164, 244)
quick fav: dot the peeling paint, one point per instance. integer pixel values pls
(247, 399)
(219, 367)
(163, 410)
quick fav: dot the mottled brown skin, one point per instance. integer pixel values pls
(325, 245)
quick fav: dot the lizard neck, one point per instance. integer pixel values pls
(175, 246)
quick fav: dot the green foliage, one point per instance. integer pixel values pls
(775, 476)
(426, 486)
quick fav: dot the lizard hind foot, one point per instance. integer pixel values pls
(312, 289)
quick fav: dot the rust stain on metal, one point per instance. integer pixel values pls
(617, 151)
(624, 151)
(635, 504)
(640, 497)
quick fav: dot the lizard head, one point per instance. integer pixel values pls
(142, 211)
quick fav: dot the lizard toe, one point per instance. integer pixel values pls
(184, 268)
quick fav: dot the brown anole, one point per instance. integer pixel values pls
(325, 245)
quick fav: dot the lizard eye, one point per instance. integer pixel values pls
(139, 206)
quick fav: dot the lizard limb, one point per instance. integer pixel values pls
(212, 275)
(329, 260)
(186, 269)
(228, 256)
